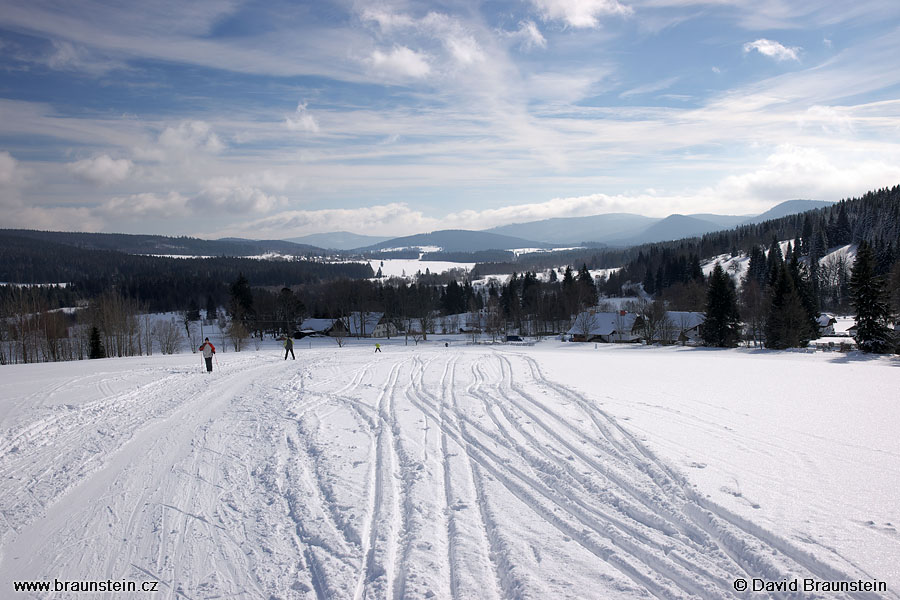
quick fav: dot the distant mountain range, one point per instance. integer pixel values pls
(624, 229)
(458, 240)
(339, 240)
(613, 229)
(165, 245)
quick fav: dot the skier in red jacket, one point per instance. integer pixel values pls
(208, 350)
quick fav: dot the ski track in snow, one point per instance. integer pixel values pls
(420, 474)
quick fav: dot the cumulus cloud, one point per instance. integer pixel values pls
(10, 173)
(183, 142)
(773, 49)
(793, 171)
(145, 205)
(232, 196)
(191, 135)
(400, 62)
(580, 13)
(102, 170)
(302, 120)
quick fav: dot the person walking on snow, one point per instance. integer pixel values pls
(208, 350)
(377, 347)
(288, 347)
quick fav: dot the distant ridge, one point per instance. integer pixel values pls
(165, 245)
(339, 240)
(789, 207)
(458, 240)
(575, 230)
(673, 227)
(626, 229)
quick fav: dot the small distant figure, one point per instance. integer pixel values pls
(208, 350)
(446, 344)
(289, 347)
(377, 347)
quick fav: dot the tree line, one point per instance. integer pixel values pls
(776, 304)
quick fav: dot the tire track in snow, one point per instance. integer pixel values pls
(146, 463)
(376, 575)
(753, 551)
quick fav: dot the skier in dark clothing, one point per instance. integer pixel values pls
(289, 347)
(208, 350)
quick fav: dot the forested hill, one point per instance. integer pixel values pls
(873, 217)
(161, 282)
(159, 244)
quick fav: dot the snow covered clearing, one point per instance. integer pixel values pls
(408, 267)
(551, 471)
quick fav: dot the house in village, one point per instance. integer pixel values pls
(315, 327)
(622, 326)
(684, 327)
(594, 326)
(470, 322)
(367, 324)
(826, 324)
(357, 324)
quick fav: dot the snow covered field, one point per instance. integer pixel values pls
(552, 471)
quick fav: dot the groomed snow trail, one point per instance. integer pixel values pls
(416, 473)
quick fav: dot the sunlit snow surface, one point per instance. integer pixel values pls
(546, 471)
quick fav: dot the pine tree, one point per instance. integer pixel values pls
(787, 324)
(95, 344)
(587, 290)
(241, 300)
(722, 327)
(868, 298)
(211, 308)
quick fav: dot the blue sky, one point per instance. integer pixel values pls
(278, 119)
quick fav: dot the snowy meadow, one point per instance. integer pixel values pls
(556, 470)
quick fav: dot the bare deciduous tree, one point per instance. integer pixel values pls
(168, 336)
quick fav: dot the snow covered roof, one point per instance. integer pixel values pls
(685, 320)
(824, 320)
(318, 325)
(364, 323)
(602, 323)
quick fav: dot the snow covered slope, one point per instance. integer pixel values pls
(556, 471)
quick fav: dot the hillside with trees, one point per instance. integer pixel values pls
(774, 303)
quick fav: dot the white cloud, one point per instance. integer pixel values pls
(9, 170)
(231, 196)
(580, 13)
(57, 218)
(387, 20)
(102, 170)
(649, 88)
(302, 120)
(401, 62)
(388, 219)
(793, 171)
(183, 143)
(189, 136)
(527, 35)
(773, 49)
(67, 56)
(145, 205)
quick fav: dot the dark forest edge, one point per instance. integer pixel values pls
(779, 299)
